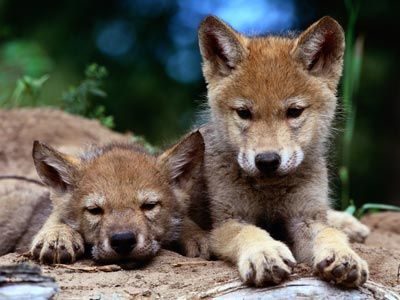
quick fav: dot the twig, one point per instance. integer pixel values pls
(190, 263)
(88, 269)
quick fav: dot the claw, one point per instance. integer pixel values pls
(326, 262)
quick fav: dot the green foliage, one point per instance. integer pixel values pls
(28, 90)
(142, 141)
(351, 209)
(23, 62)
(79, 99)
(99, 113)
(25, 57)
(351, 78)
(370, 207)
(375, 207)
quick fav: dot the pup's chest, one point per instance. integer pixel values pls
(274, 212)
(275, 223)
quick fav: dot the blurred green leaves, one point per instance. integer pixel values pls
(25, 56)
(370, 207)
(79, 99)
(28, 87)
(351, 78)
(142, 141)
(23, 62)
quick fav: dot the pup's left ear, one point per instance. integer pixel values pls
(320, 49)
(57, 170)
(184, 160)
(221, 47)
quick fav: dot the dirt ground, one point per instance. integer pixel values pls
(172, 276)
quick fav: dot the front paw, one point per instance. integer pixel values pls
(341, 266)
(58, 244)
(196, 245)
(266, 263)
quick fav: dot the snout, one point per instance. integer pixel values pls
(123, 242)
(125, 245)
(268, 162)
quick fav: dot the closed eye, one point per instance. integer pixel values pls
(149, 206)
(94, 210)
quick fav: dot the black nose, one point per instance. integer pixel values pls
(267, 162)
(123, 242)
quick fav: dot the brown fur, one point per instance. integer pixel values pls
(24, 206)
(114, 190)
(256, 87)
(23, 209)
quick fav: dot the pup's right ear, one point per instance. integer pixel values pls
(57, 170)
(221, 47)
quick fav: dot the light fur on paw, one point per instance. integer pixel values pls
(353, 228)
(58, 244)
(266, 263)
(341, 266)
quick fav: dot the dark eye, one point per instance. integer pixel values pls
(94, 210)
(149, 206)
(244, 113)
(293, 112)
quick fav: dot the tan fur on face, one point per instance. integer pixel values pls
(266, 76)
(111, 190)
(277, 82)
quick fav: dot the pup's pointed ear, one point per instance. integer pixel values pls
(221, 47)
(57, 170)
(320, 49)
(184, 160)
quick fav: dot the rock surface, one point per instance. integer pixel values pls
(25, 281)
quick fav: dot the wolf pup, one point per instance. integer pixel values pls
(117, 199)
(272, 101)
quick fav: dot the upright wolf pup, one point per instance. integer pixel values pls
(118, 199)
(272, 100)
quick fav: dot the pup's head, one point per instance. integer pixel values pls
(272, 98)
(125, 203)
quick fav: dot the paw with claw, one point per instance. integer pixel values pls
(341, 266)
(265, 263)
(57, 244)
